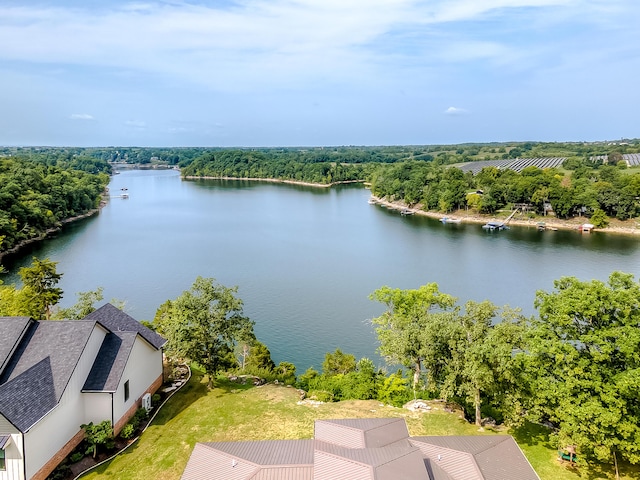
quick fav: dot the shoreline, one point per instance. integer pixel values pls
(53, 230)
(551, 222)
(275, 180)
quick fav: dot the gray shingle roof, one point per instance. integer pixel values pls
(4, 439)
(11, 331)
(118, 321)
(27, 398)
(109, 364)
(38, 372)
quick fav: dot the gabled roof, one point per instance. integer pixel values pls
(26, 399)
(118, 321)
(265, 460)
(490, 457)
(38, 372)
(11, 331)
(400, 458)
(110, 362)
(4, 440)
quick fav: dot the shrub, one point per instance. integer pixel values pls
(155, 399)
(140, 416)
(97, 435)
(127, 431)
(321, 395)
(76, 457)
(395, 391)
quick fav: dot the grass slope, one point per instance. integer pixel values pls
(234, 412)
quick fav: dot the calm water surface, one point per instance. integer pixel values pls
(305, 259)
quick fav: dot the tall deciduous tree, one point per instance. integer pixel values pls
(204, 324)
(408, 330)
(40, 280)
(482, 358)
(586, 365)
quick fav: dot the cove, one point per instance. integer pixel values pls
(304, 259)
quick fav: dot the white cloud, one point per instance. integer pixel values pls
(81, 116)
(140, 124)
(456, 111)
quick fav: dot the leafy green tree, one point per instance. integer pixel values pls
(259, 357)
(204, 324)
(481, 361)
(585, 365)
(83, 307)
(40, 280)
(337, 363)
(599, 219)
(17, 302)
(407, 329)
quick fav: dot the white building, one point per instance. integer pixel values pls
(56, 376)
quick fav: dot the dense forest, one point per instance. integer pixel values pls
(37, 192)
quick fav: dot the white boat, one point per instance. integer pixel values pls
(450, 220)
(372, 201)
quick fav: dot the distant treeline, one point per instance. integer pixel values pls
(286, 166)
(39, 191)
(582, 187)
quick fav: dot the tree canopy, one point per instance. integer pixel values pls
(204, 324)
(585, 362)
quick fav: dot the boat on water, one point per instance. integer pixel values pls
(450, 220)
(372, 201)
(406, 211)
(492, 226)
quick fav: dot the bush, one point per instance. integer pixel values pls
(599, 219)
(321, 395)
(140, 416)
(155, 399)
(76, 457)
(127, 431)
(395, 391)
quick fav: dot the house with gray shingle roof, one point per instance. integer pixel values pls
(363, 449)
(58, 375)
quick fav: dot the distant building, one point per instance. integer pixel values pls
(56, 376)
(362, 449)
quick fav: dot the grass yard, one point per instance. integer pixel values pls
(235, 412)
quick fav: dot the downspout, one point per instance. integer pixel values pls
(24, 456)
(113, 425)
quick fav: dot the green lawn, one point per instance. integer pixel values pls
(232, 412)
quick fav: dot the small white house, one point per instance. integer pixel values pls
(56, 376)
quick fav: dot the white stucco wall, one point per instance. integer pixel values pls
(52, 432)
(143, 368)
(97, 407)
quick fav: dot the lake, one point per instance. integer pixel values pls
(304, 259)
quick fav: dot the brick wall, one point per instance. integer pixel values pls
(50, 466)
(137, 404)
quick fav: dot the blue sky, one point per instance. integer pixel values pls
(317, 72)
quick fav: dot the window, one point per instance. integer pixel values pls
(2, 465)
(126, 390)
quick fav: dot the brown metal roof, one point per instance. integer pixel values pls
(417, 458)
(361, 433)
(491, 457)
(269, 452)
